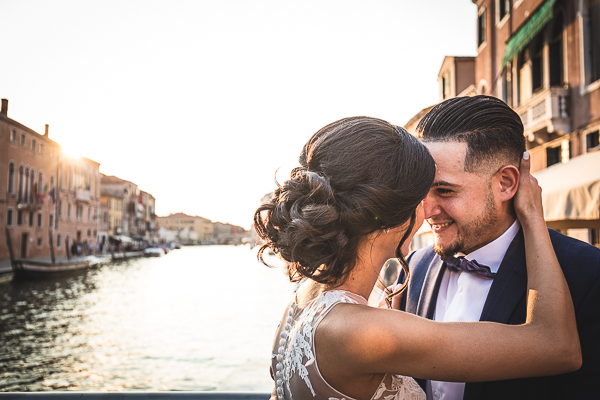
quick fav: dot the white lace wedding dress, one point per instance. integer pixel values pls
(295, 364)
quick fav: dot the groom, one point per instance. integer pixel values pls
(477, 143)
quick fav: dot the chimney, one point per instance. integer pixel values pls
(4, 110)
(46, 130)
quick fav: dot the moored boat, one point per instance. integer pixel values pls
(154, 252)
(6, 276)
(31, 269)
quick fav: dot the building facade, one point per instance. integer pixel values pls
(190, 229)
(542, 57)
(47, 200)
(121, 198)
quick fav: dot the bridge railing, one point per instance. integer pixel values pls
(72, 395)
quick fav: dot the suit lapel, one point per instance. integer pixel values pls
(510, 284)
(429, 290)
(428, 296)
(507, 291)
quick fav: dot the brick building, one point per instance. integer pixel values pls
(542, 57)
(43, 193)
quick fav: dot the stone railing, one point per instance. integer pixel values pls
(546, 112)
(55, 395)
(82, 195)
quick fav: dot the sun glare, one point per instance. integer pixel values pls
(70, 151)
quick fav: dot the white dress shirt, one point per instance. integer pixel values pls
(461, 298)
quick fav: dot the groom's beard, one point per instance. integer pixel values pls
(470, 235)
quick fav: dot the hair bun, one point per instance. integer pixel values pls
(357, 176)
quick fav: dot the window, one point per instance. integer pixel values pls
(79, 212)
(21, 182)
(40, 183)
(59, 209)
(42, 148)
(523, 77)
(445, 83)
(11, 177)
(34, 145)
(503, 7)
(9, 217)
(110, 223)
(89, 214)
(31, 218)
(13, 135)
(105, 219)
(481, 25)
(556, 52)
(69, 211)
(537, 63)
(51, 221)
(58, 241)
(40, 219)
(507, 84)
(553, 155)
(23, 139)
(594, 42)
(39, 242)
(19, 218)
(89, 233)
(591, 140)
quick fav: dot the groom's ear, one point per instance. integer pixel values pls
(508, 177)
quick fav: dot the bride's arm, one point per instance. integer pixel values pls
(546, 344)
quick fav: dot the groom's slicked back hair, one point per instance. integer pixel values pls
(492, 130)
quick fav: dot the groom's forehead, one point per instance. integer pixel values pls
(448, 155)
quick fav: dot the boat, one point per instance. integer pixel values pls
(154, 252)
(30, 269)
(126, 255)
(6, 276)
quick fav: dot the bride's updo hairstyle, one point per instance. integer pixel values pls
(357, 176)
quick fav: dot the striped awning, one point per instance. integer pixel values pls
(528, 31)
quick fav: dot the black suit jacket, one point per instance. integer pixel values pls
(506, 304)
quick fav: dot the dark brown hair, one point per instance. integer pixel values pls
(492, 130)
(356, 176)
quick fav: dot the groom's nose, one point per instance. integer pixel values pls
(431, 208)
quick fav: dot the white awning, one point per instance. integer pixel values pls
(122, 238)
(571, 191)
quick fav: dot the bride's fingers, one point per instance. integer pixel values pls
(525, 166)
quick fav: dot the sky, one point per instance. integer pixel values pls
(200, 102)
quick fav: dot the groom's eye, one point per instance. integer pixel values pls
(443, 192)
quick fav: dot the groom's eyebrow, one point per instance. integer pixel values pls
(444, 183)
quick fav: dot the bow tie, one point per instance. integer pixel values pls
(458, 264)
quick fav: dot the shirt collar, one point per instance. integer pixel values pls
(493, 253)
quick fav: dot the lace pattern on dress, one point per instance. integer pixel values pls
(300, 345)
(299, 352)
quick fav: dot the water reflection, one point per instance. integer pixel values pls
(200, 318)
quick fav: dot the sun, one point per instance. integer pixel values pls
(70, 151)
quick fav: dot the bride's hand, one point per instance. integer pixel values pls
(528, 200)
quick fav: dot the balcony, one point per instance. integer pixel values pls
(546, 112)
(82, 196)
(29, 202)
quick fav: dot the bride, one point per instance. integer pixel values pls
(353, 204)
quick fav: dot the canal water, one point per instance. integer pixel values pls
(199, 318)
